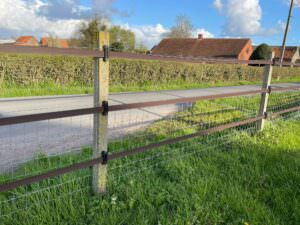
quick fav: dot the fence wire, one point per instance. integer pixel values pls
(31, 149)
(72, 189)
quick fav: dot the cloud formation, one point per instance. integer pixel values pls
(205, 33)
(151, 35)
(60, 9)
(18, 17)
(242, 17)
(218, 4)
(296, 2)
(148, 35)
(72, 9)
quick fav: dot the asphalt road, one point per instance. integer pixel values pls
(20, 143)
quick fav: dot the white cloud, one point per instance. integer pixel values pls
(296, 3)
(205, 33)
(19, 18)
(218, 4)
(243, 17)
(151, 35)
(67, 9)
(59, 9)
(148, 35)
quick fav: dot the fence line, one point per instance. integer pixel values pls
(101, 157)
(122, 154)
(100, 160)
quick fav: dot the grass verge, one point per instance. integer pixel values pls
(49, 89)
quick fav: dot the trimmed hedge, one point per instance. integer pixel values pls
(26, 70)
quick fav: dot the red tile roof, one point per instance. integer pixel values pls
(27, 40)
(210, 47)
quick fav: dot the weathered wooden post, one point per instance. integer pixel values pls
(267, 78)
(101, 91)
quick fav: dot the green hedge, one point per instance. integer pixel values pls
(24, 70)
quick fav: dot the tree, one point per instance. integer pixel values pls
(88, 32)
(262, 52)
(117, 47)
(123, 39)
(182, 29)
(120, 35)
(141, 48)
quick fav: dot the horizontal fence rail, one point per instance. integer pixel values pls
(86, 111)
(10, 48)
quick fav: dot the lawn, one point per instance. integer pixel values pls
(234, 177)
(10, 91)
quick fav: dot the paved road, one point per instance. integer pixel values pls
(20, 143)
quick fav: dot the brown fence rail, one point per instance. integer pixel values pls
(85, 111)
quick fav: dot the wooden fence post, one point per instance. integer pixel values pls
(267, 78)
(101, 91)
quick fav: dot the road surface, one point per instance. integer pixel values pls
(20, 143)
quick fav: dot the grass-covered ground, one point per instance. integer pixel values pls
(237, 177)
(48, 89)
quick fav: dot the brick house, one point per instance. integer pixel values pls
(54, 42)
(27, 41)
(205, 47)
(291, 54)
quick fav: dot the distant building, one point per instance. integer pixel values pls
(54, 42)
(205, 47)
(27, 41)
(291, 54)
(7, 41)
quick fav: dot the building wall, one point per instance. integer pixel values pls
(296, 56)
(246, 52)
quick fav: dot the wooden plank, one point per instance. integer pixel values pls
(101, 85)
(267, 78)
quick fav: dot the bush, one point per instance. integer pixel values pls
(117, 47)
(26, 70)
(262, 52)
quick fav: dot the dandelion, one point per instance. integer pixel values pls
(114, 200)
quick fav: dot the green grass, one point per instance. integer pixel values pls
(48, 89)
(248, 178)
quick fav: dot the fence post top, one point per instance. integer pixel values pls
(102, 39)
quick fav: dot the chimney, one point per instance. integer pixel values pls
(200, 36)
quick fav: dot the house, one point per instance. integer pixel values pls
(27, 41)
(54, 42)
(291, 54)
(205, 47)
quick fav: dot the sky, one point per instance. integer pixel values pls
(261, 20)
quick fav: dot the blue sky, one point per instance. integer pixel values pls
(261, 20)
